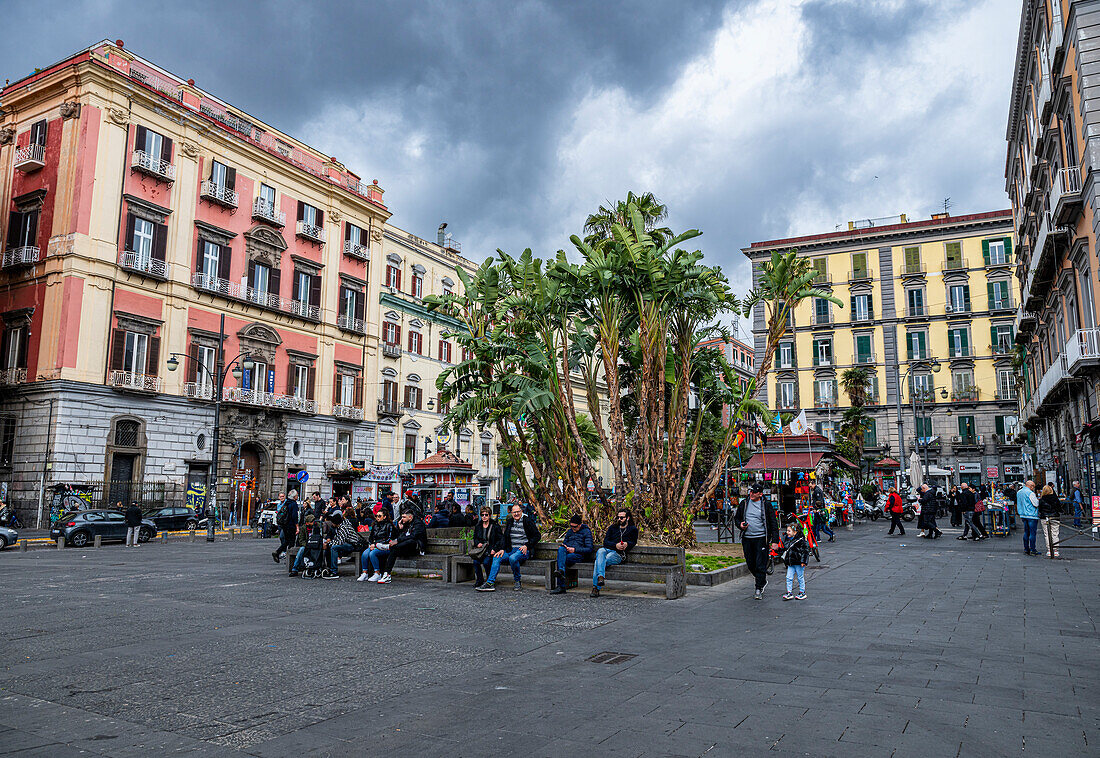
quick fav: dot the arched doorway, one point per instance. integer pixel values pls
(248, 482)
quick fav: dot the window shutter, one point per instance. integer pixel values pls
(315, 290)
(251, 273)
(38, 133)
(411, 341)
(985, 251)
(160, 241)
(397, 335)
(964, 338)
(870, 306)
(989, 291)
(15, 224)
(359, 298)
(312, 379)
(152, 356)
(290, 379)
(358, 391)
(140, 138)
(1000, 424)
(347, 231)
(130, 221)
(321, 219)
(5, 344)
(962, 426)
(1008, 248)
(301, 210)
(909, 345)
(853, 311)
(224, 258)
(193, 364)
(21, 355)
(274, 280)
(118, 345)
(166, 156)
(406, 403)
(231, 178)
(419, 398)
(966, 297)
(295, 294)
(398, 282)
(336, 390)
(993, 338)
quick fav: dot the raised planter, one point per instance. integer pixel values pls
(718, 576)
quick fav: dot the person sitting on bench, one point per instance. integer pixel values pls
(521, 537)
(345, 541)
(577, 544)
(486, 533)
(382, 531)
(621, 537)
(411, 541)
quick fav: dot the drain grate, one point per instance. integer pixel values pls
(610, 658)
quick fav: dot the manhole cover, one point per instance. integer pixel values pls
(610, 658)
(577, 622)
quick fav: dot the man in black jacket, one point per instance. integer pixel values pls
(133, 525)
(412, 540)
(621, 537)
(521, 537)
(928, 507)
(286, 518)
(759, 527)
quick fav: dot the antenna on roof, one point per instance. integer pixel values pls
(946, 205)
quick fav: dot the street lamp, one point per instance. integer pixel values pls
(427, 445)
(218, 375)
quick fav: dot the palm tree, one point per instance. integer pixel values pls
(854, 382)
(854, 421)
(600, 224)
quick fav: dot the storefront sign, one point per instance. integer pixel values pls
(381, 474)
(991, 472)
(1096, 510)
(970, 468)
(1014, 469)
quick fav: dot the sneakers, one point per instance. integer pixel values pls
(375, 577)
(478, 586)
(559, 590)
(595, 592)
(788, 596)
(385, 579)
(516, 586)
(487, 587)
(759, 595)
(293, 573)
(961, 538)
(328, 574)
(599, 580)
(363, 577)
(800, 596)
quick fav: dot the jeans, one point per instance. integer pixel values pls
(565, 560)
(479, 569)
(373, 558)
(605, 558)
(1050, 535)
(132, 535)
(335, 552)
(756, 558)
(800, 572)
(515, 559)
(895, 521)
(821, 524)
(286, 538)
(1031, 525)
(972, 522)
(1077, 513)
(298, 559)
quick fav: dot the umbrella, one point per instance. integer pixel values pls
(916, 473)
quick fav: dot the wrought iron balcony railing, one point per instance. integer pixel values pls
(266, 211)
(143, 263)
(219, 194)
(146, 163)
(30, 158)
(133, 381)
(20, 256)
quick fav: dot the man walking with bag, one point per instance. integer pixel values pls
(896, 509)
(759, 531)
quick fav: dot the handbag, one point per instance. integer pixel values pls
(478, 553)
(979, 506)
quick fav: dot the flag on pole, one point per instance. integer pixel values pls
(777, 424)
(739, 438)
(800, 424)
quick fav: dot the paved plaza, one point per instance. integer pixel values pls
(904, 648)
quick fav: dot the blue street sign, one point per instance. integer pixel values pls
(302, 477)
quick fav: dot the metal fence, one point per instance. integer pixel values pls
(149, 495)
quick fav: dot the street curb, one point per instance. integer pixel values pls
(718, 576)
(39, 543)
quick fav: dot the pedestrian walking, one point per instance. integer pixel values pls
(896, 508)
(972, 527)
(1050, 508)
(133, 524)
(820, 514)
(1078, 501)
(953, 504)
(928, 511)
(795, 555)
(286, 518)
(759, 527)
(1027, 508)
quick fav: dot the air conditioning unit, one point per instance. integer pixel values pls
(948, 308)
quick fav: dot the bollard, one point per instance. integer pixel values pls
(98, 541)
(23, 545)
(60, 543)
(192, 535)
(1050, 539)
(164, 537)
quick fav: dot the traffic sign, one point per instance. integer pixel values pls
(244, 486)
(302, 477)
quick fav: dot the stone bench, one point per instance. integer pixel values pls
(437, 559)
(659, 565)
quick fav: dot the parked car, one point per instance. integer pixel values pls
(174, 519)
(80, 528)
(8, 536)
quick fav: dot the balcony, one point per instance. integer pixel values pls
(924, 443)
(389, 410)
(956, 308)
(350, 412)
(865, 359)
(128, 380)
(818, 319)
(1004, 304)
(954, 264)
(861, 275)
(234, 291)
(912, 268)
(920, 312)
(211, 190)
(12, 376)
(965, 394)
(346, 467)
(20, 256)
(1052, 378)
(968, 441)
(824, 402)
(1026, 321)
(198, 391)
(154, 167)
(1065, 195)
(823, 278)
(265, 211)
(30, 158)
(1005, 396)
(351, 324)
(311, 232)
(960, 352)
(1005, 440)
(269, 400)
(142, 263)
(1083, 351)
(391, 351)
(1041, 259)
(1043, 100)
(355, 250)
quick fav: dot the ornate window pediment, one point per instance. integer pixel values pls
(306, 265)
(214, 234)
(414, 378)
(415, 324)
(264, 244)
(394, 258)
(448, 281)
(412, 424)
(393, 316)
(18, 317)
(140, 324)
(259, 341)
(418, 269)
(389, 372)
(31, 201)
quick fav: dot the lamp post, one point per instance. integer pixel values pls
(928, 364)
(217, 376)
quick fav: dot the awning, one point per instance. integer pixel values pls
(887, 463)
(845, 462)
(805, 461)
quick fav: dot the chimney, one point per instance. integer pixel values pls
(441, 234)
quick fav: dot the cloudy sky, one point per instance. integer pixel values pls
(513, 120)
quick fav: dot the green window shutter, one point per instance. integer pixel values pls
(966, 297)
(1000, 422)
(989, 290)
(993, 338)
(951, 342)
(985, 251)
(853, 311)
(964, 336)
(870, 306)
(1008, 248)
(909, 345)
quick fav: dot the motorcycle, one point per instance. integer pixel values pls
(869, 510)
(909, 512)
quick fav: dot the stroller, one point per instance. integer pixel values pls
(316, 557)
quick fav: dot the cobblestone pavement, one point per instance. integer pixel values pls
(904, 647)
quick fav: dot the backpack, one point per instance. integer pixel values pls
(282, 515)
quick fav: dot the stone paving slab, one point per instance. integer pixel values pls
(904, 647)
